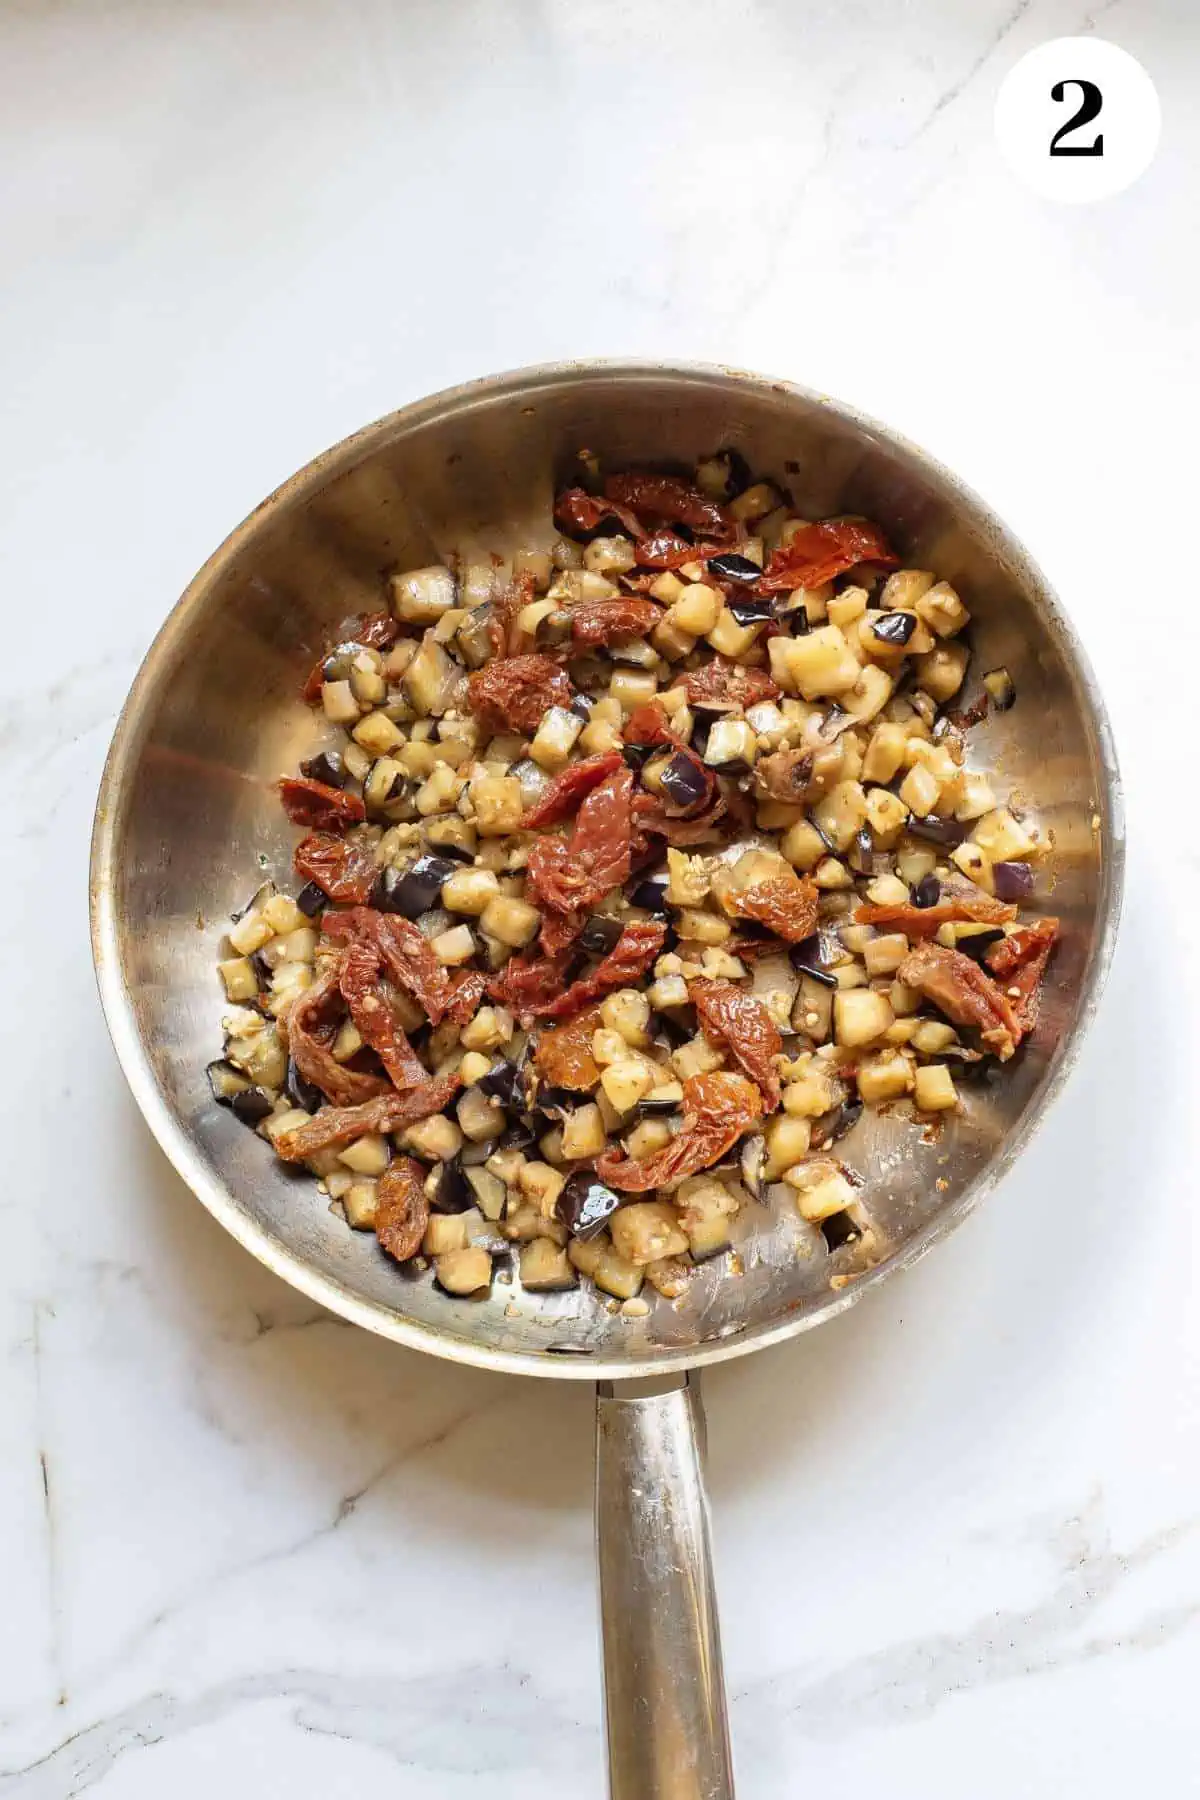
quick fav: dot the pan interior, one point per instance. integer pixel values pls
(189, 822)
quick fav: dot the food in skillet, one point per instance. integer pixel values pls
(639, 869)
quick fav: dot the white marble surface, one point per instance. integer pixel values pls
(249, 1550)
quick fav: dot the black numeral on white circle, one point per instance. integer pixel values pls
(1088, 109)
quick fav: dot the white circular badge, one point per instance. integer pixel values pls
(1078, 119)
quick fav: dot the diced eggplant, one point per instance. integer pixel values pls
(534, 780)
(835, 1123)
(385, 784)
(861, 855)
(305, 1094)
(927, 892)
(581, 705)
(751, 609)
(682, 782)
(415, 891)
(311, 900)
(840, 1228)
(732, 567)
(226, 1082)
(647, 1230)
(474, 638)
(667, 1098)
(340, 660)
(258, 898)
(723, 474)
(450, 1190)
(585, 1205)
(556, 1103)
(976, 944)
(1013, 881)
(487, 1191)
(463, 1272)
(947, 832)
(505, 1083)
(822, 834)
(545, 1267)
(522, 1135)
(421, 596)
(328, 767)
(637, 755)
(676, 1031)
(261, 967)
(650, 893)
(600, 935)
(895, 627)
(999, 684)
(252, 1106)
(731, 746)
(794, 613)
(451, 835)
(753, 1160)
(553, 629)
(480, 1118)
(432, 924)
(634, 654)
(815, 956)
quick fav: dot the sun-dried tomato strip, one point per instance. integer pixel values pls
(311, 1024)
(366, 995)
(665, 549)
(528, 982)
(751, 949)
(334, 1126)
(665, 499)
(968, 996)
(561, 800)
(564, 1055)
(569, 877)
(406, 954)
(648, 725)
(319, 807)
(816, 553)
(611, 621)
(374, 631)
(345, 872)
(559, 931)
(927, 921)
(735, 1018)
(636, 948)
(651, 815)
(401, 1208)
(467, 989)
(575, 510)
(1019, 961)
(785, 903)
(515, 693)
(727, 684)
(717, 1110)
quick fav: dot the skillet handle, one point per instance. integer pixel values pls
(664, 1689)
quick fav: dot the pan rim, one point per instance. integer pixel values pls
(133, 723)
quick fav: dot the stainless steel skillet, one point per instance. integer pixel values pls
(187, 809)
